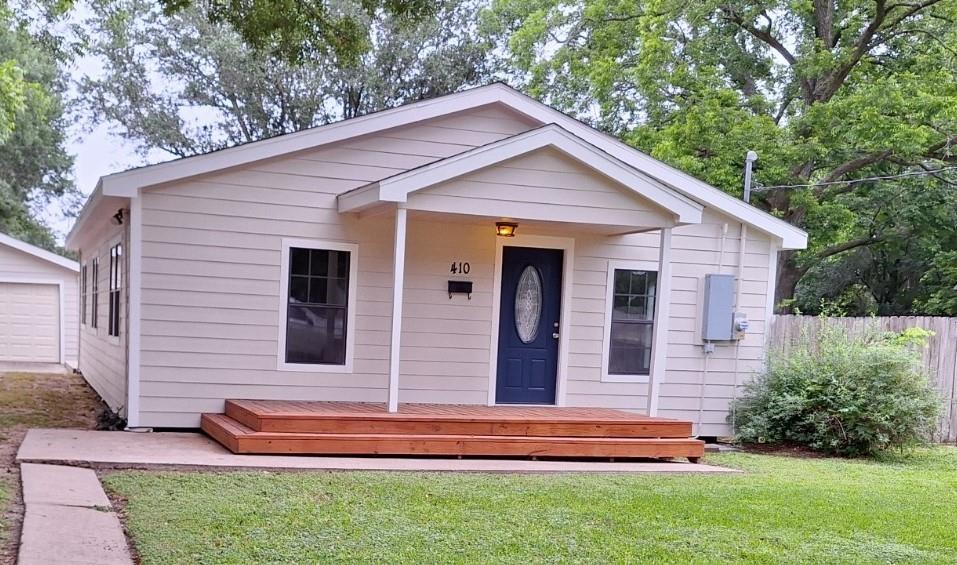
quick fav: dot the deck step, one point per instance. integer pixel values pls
(240, 438)
(360, 418)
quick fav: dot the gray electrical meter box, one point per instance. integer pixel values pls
(718, 316)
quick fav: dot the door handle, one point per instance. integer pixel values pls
(555, 335)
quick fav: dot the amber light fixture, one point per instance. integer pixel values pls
(505, 229)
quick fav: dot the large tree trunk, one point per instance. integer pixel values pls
(789, 274)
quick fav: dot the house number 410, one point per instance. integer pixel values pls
(460, 268)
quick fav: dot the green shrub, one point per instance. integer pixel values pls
(852, 396)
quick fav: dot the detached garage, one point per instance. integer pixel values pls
(38, 305)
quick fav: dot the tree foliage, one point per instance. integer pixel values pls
(825, 91)
(187, 85)
(299, 30)
(35, 168)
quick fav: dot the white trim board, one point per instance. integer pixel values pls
(60, 312)
(39, 253)
(615, 264)
(128, 183)
(353, 250)
(134, 269)
(567, 245)
(397, 188)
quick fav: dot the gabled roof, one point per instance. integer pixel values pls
(128, 183)
(398, 187)
(38, 252)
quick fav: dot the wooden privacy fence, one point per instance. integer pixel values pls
(939, 357)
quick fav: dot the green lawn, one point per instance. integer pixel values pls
(30, 400)
(782, 510)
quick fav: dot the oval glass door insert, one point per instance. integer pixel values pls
(528, 304)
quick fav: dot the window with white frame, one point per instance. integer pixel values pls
(94, 296)
(116, 281)
(631, 321)
(319, 302)
(84, 294)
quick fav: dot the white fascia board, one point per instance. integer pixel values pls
(38, 252)
(397, 188)
(359, 199)
(791, 236)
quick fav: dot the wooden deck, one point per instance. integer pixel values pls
(351, 428)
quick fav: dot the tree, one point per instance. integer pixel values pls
(825, 91)
(186, 85)
(35, 168)
(298, 30)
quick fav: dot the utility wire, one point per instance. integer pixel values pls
(760, 188)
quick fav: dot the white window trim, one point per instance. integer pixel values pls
(614, 265)
(353, 250)
(113, 339)
(84, 293)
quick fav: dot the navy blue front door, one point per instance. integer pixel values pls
(528, 325)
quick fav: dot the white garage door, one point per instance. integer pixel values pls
(29, 322)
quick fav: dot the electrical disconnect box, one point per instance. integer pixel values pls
(718, 317)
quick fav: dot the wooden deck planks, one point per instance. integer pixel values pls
(245, 440)
(333, 417)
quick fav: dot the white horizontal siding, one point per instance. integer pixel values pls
(543, 185)
(103, 359)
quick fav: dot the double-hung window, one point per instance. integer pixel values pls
(630, 323)
(84, 294)
(318, 306)
(116, 282)
(95, 297)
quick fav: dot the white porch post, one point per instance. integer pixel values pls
(398, 281)
(659, 340)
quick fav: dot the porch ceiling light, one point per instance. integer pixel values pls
(505, 229)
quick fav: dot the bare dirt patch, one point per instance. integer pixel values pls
(31, 400)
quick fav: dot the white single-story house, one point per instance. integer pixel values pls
(39, 306)
(480, 248)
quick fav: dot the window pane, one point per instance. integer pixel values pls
(338, 291)
(318, 290)
(622, 282)
(316, 334)
(637, 308)
(299, 261)
(319, 265)
(630, 352)
(342, 264)
(299, 289)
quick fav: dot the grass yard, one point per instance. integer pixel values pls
(30, 400)
(783, 510)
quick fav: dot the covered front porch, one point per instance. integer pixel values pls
(549, 219)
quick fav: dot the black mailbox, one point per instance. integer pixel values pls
(460, 287)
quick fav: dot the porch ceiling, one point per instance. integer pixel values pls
(641, 202)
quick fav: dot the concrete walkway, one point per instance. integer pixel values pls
(68, 519)
(188, 450)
